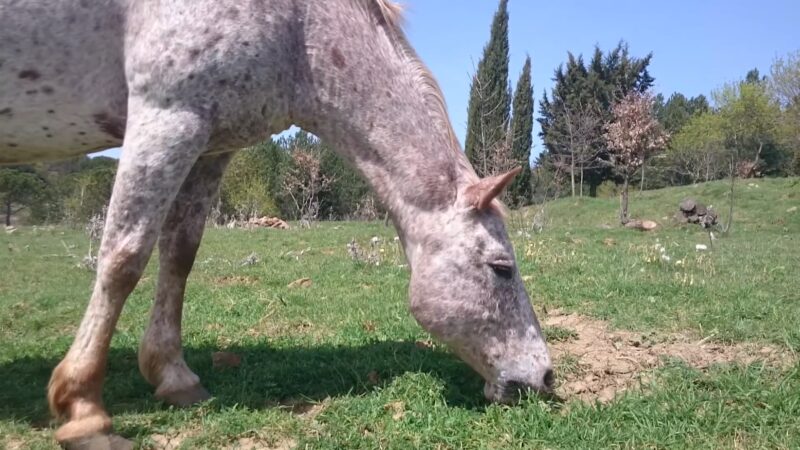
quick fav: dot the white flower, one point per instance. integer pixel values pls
(701, 247)
(665, 258)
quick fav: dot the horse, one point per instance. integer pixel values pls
(180, 85)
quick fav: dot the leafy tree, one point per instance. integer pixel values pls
(630, 136)
(697, 152)
(245, 188)
(784, 86)
(86, 193)
(348, 189)
(750, 123)
(678, 110)
(490, 100)
(20, 187)
(595, 86)
(521, 135)
(754, 77)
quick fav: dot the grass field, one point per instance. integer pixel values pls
(342, 364)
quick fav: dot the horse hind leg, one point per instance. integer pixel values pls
(146, 183)
(160, 354)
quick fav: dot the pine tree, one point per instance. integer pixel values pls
(596, 87)
(489, 102)
(521, 132)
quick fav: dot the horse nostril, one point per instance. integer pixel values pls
(549, 378)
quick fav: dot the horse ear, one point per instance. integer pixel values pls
(481, 194)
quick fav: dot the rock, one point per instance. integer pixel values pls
(301, 282)
(688, 205)
(700, 209)
(642, 225)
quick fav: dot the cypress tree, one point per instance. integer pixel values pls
(489, 100)
(521, 131)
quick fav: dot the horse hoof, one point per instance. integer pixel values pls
(185, 397)
(99, 442)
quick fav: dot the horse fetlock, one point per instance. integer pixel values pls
(175, 382)
(94, 422)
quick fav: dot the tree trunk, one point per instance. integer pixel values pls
(8, 212)
(623, 207)
(581, 180)
(730, 210)
(641, 185)
(572, 174)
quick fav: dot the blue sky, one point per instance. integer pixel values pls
(697, 45)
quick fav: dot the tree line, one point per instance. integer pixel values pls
(602, 129)
(296, 177)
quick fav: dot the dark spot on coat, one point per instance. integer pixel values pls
(248, 76)
(213, 41)
(170, 62)
(338, 58)
(12, 145)
(48, 90)
(72, 124)
(82, 133)
(30, 74)
(193, 54)
(388, 94)
(222, 82)
(233, 13)
(51, 111)
(190, 76)
(45, 128)
(6, 112)
(112, 126)
(31, 91)
(48, 135)
(246, 43)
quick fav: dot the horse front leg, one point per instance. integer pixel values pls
(160, 148)
(160, 353)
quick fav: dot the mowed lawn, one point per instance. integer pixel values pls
(340, 363)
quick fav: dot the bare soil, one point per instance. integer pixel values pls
(600, 363)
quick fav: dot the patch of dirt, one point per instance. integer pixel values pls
(599, 363)
(171, 441)
(14, 443)
(303, 409)
(231, 280)
(250, 443)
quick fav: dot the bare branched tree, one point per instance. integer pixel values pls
(304, 182)
(581, 126)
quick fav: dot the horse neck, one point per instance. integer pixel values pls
(368, 101)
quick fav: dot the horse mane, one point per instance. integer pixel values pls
(390, 16)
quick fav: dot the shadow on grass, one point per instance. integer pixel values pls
(267, 376)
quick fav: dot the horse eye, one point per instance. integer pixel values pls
(502, 270)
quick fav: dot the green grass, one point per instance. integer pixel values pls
(349, 343)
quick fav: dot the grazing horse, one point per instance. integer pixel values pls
(180, 83)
